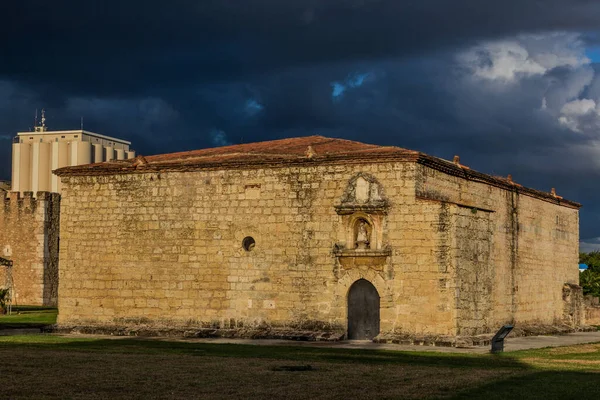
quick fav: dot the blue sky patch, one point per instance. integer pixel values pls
(338, 89)
(253, 107)
(593, 53)
(351, 82)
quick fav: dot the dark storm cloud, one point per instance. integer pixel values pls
(117, 47)
(178, 75)
(432, 104)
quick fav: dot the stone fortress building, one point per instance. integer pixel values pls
(313, 233)
(29, 229)
(29, 217)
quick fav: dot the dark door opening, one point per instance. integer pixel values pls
(363, 310)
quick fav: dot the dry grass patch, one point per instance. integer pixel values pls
(74, 375)
(585, 357)
(55, 367)
(580, 349)
(548, 362)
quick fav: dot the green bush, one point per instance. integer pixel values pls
(590, 282)
(589, 279)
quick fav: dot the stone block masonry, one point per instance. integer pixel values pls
(29, 235)
(511, 253)
(277, 234)
(169, 246)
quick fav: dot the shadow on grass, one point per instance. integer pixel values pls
(508, 375)
(547, 385)
(34, 308)
(291, 353)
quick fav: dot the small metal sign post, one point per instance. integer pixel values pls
(498, 339)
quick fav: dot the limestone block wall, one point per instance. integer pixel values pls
(474, 278)
(592, 310)
(512, 252)
(424, 265)
(548, 256)
(167, 248)
(453, 257)
(592, 316)
(29, 234)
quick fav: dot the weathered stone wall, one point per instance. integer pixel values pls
(421, 264)
(574, 305)
(548, 258)
(474, 279)
(29, 233)
(166, 248)
(592, 310)
(512, 252)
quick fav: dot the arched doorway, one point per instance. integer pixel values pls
(363, 310)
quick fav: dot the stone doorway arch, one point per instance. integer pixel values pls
(363, 311)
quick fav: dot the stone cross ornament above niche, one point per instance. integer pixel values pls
(363, 207)
(363, 193)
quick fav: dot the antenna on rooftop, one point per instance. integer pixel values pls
(35, 120)
(42, 126)
(81, 123)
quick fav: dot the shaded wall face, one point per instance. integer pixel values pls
(474, 277)
(511, 253)
(169, 248)
(547, 257)
(29, 237)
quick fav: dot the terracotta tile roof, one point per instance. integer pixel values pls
(301, 150)
(288, 148)
(309, 150)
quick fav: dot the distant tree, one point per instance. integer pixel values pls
(591, 259)
(590, 278)
(590, 282)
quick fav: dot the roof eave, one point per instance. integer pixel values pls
(447, 167)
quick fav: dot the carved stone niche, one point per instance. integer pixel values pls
(363, 209)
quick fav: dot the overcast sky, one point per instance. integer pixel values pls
(511, 86)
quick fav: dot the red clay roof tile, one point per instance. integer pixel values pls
(293, 151)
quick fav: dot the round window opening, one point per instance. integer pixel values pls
(248, 243)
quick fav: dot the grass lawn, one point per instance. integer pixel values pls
(28, 316)
(45, 366)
